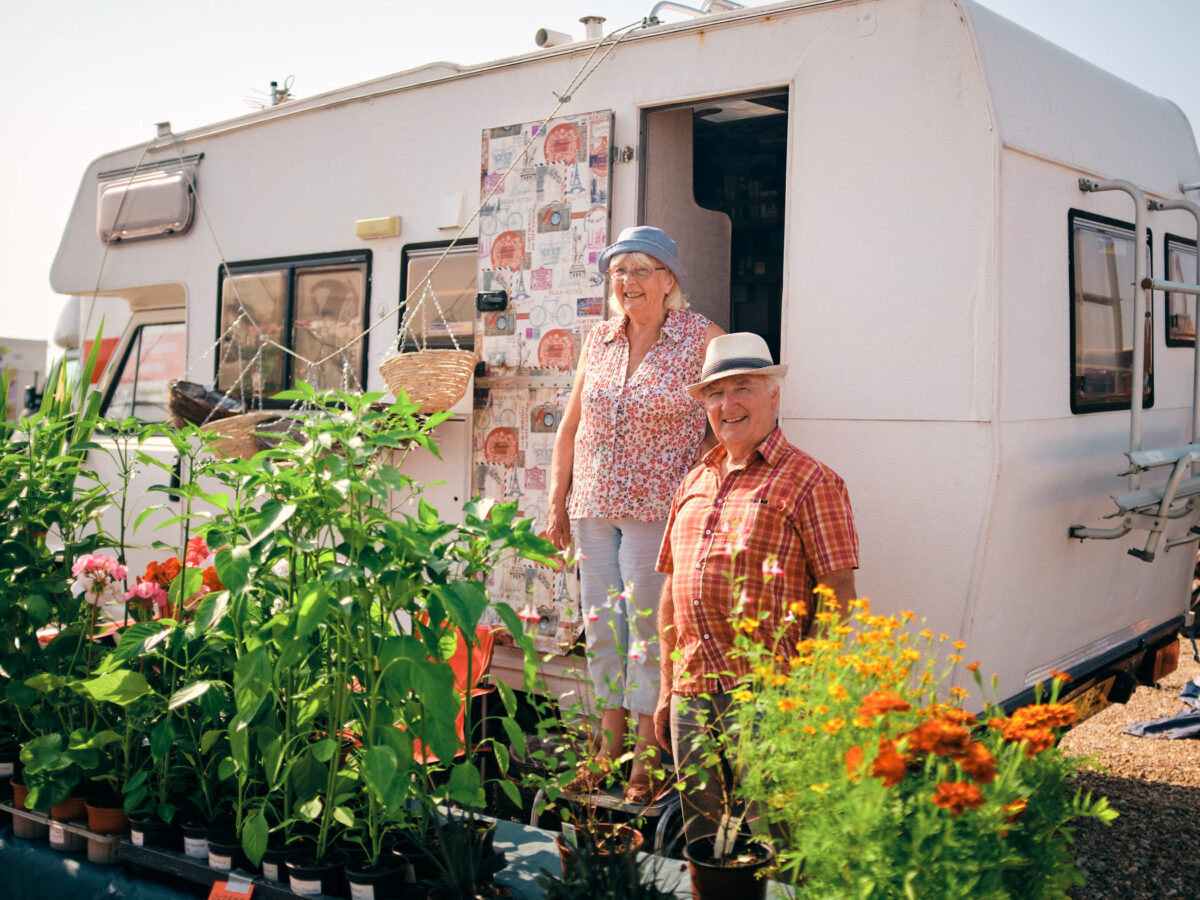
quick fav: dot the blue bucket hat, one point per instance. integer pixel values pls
(644, 239)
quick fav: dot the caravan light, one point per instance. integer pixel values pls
(384, 227)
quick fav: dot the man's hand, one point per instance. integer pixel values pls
(662, 721)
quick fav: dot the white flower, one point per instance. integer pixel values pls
(277, 605)
(638, 651)
(282, 568)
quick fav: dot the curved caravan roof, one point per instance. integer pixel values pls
(1053, 104)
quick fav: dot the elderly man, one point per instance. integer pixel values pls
(754, 505)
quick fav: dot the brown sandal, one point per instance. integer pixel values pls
(589, 776)
(643, 789)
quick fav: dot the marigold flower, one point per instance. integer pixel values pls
(824, 591)
(997, 723)
(958, 716)
(910, 654)
(838, 692)
(960, 693)
(854, 758)
(1015, 809)
(957, 796)
(743, 696)
(819, 788)
(808, 729)
(786, 704)
(939, 737)
(794, 662)
(1064, 677)
(978, 762)
(958, 645)
(926, 633)
(955, 658)
(973, 667)
(878, 703)
(748, 624)
(889, 765)
(834, 725)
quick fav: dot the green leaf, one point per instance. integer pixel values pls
(121, 687)
(312, 609)
(274, 514)
(343, 815)
(312, 809)
(188, 694)
(251, 682)
(514, 795)
(324, 748)
(233, 567)
(379, 770)
(465, 786)
(162, 737)
(255, 834)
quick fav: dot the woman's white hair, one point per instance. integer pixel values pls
(674, 298)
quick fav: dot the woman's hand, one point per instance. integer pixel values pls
(558, 527)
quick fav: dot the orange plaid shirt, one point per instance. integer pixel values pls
(783, 513)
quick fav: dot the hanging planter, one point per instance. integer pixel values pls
(435, 380)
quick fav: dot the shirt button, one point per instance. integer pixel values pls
(706, 637)
(699, 565)
(695, 603)
(718, 501)
(708, 531)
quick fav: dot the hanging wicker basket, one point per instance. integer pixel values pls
(193, 403)
(433, 379)
(237, 433)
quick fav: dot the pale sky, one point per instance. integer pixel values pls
(80, 78)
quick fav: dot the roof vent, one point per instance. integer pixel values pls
(592, 24)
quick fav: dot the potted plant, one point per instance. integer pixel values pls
(880, 782)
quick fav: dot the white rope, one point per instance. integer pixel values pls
(425, 285)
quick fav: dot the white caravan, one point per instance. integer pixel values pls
(938, 219)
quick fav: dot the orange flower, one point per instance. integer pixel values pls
(878, 703)
(889, 765)
(978, 762)
(957, 796)
(997, 724)
(854, 761)
(1060, 676)
(786, 704)
(958, 716)
(834, 725)
(939, 737)
(1037, 739)
(1015, 809)
(973, 667)
(1046, 715)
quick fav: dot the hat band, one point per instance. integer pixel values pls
(737, 362)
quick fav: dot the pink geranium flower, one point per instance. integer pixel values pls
(96, 577)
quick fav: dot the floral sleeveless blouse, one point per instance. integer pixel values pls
(637, 438)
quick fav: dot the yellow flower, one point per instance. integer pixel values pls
(818, 788)
(794, 662)
(955, 658)
(798, 607)
(808, 729)
(837, 692)
(786, 704)
(743, 696)
(909, 654)
(926, 633)
(907, 615)
(959, 692)
(821, 710)
(959, 645)
(748, 625)
(824, 591)
(834, 725)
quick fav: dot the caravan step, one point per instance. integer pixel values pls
(1152, 496)
(1167, 456)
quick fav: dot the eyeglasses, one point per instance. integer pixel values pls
(639, 274)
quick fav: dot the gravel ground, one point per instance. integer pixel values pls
(1151, 850)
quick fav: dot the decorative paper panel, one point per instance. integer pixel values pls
(539, 236)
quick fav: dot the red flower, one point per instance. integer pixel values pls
(939, 737)
(889, 765)
(197, 552)
(878, 703)
(854, 761)
(957, 796)
(978, 762)
(211, 581)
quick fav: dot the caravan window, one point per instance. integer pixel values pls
(451, 290)
(1181, 308)
(154, 357)
(314, 307)
(1102, 327)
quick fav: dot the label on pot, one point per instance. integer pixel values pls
(410, 874)
(6, 770)
(137, 838)
(270, 871)
(223, 863)
(362, 891)
(197, 848)
(58, 834)
(306, 888)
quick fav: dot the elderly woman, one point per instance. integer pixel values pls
(630, 433)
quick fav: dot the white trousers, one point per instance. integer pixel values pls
(619, 590)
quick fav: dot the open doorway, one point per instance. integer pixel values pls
(715, 179)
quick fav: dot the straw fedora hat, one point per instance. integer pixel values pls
(739, 353)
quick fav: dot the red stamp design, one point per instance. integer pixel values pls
(508, 250)
(562, 144)
(500, 446)
(556, 350)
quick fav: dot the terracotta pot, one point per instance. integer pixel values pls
(604, 840)
(20, 792)
(106, 819)
(70, 809)
(711, 881)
